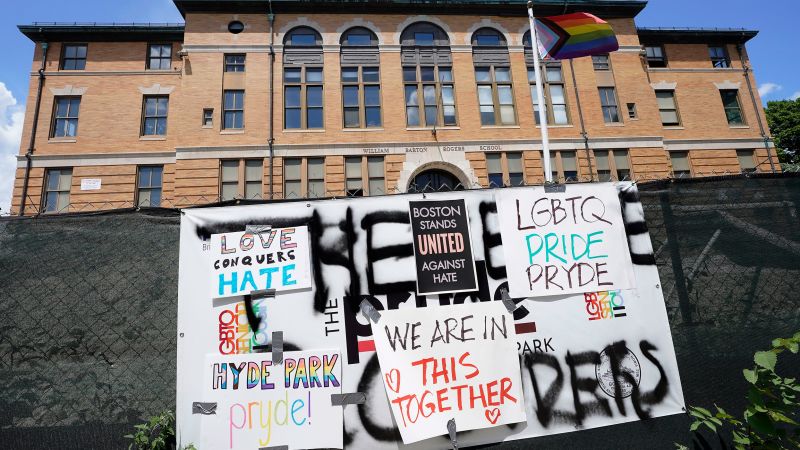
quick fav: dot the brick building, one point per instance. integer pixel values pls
(283, 99)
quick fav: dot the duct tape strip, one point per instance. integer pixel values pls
(555, 187)
(507, 301)
(257, 229)
(354, 398)
(277, 347)
(369, 311)
(263, 293)
(451, 430)
(277, 447)
(206, 409)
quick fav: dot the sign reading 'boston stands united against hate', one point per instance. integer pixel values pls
(442, 247)
(264, 259)
(452, 362)
(559, 243)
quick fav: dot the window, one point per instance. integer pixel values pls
(154, 117)
(233, 110)
(361, 172)
(73, 57)
(495, 96)
(680, 164)
(556, 106)
(564, 166)
(303, 39)
(505, 169)
(235, 27)
(427, 76)
(159, 56)
(303, 97)
(56, 193)
(655, 56)
(733, 110)
(747, 160)
(292, 180)
(632, 114)
(251, 174)
(668, 108)
(234, 63)
(719, 56)
(612, 165)
(359, 39)
(304, 178)
(608, 102)
(148, 191)
(208, 117)
(601, 62)
(436, 85)
(66, 117)
(361, 97)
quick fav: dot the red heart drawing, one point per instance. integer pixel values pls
(393, 380)
(492, 415)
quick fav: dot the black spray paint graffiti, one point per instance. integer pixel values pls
(340, 253)
(545, 401)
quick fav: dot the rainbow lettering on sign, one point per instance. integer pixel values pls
(605, 305)
(235, 334)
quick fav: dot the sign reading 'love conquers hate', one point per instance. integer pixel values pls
(453, 362)
(570, 242)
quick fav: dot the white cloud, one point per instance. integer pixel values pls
(12, 116)
(795, 96)
(768, 88)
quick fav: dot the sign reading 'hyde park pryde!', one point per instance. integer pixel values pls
(275, 258)
(559, 243)
(450, 363)
(442, 247)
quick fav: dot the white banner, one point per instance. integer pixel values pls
(260, 404)
(594, 359)
(558, 243)
(450, 363)
(250, 261)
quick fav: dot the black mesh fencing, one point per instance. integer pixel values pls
(88, 311)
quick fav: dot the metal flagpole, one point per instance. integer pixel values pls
(548, 173)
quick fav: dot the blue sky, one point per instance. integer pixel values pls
(774, 52)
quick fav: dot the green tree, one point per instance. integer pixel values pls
(783, 117)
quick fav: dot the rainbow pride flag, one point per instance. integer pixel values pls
(574, 35)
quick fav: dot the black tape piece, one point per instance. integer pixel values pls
(555, 187)
(276, 447)
(263, 293)
(451, 430)
(369, 311)
(257, 229)
(353, 398)
(206, 409)
(507, 302)
(277, 347)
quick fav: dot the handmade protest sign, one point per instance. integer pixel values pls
(260, 404)
(276, 258)
(564, 242)
(442, 247)
(452, 362)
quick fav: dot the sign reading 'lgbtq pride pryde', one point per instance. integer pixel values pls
(452, 362)
(260, 404)
(275, 258)
(559, 243)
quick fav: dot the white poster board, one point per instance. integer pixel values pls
(243, 262)
(568, 242)
(362, 248)
(450, 363)
(260, 404)
(91, 184)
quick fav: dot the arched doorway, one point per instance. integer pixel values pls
(434, 180)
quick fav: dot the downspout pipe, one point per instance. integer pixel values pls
(32, 142)
(584, 134)
(746, 68)
(271, 141)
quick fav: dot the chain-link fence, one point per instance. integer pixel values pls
(88, 307)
